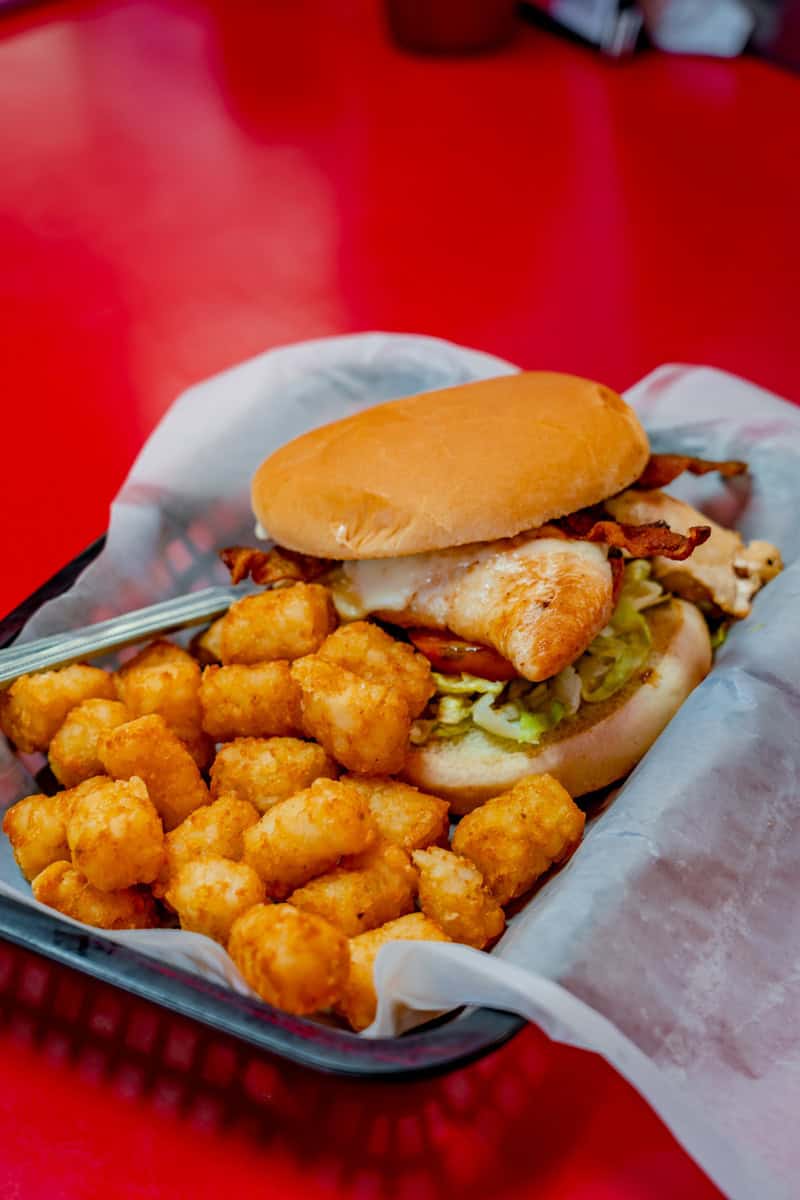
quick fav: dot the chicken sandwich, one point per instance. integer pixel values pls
(515, 532)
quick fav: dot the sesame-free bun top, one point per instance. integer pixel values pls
(466, 464)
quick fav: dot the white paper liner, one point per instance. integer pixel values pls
(679, 917)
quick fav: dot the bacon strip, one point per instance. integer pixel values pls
(661, 469)
(642, 541)
(271, 566)
(617, 564)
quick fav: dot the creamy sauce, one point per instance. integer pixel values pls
(390, 584)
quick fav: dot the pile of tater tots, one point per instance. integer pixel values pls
(243, 789)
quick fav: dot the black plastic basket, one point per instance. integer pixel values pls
(449, 1042)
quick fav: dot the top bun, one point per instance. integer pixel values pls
(471, 463)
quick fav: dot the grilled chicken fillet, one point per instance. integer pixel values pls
(538, 601)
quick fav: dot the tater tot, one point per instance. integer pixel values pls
(292, 959)
(70, 796)
(307, 834)
(36, 828)
(148, 748)
(404, 815)
(34, 707)
(209, 893)
(73, 751)
(368, 651)
(216, 829)
(360, 1000)
(356, 900)
(61, 887)
(206, 646)
(165, 679)
(516, 837)
(364, 726)
(115, 835)
(452, 893)
(258, 701)
(266, 770)
(285, 623)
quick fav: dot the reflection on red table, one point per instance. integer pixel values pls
(184, 183)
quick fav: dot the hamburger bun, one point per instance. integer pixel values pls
(471, 463)
(600, 745)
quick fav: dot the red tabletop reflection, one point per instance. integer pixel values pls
(184, 184)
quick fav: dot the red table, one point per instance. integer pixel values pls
(186, 183)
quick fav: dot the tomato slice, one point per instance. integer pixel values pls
(450, 655)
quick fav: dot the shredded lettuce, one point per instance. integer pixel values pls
(567, 690)
(616, 653)
(719, 635)
(466, 685)
(453, 709)
(524, 712)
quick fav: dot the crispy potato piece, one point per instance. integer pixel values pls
(70, 796)
(147, 747)
(452, 893)
(206, 646)
(201, 749)
(369, 652)
(403, 814)
(36, 828)
(115, 835)
(381, 888)
(257, 701)
(73, 751)
(360, 1001)
(34, 707)
(266, 770)
(516, 837)
(285, 623)
(61, 887)
(307, 834)
(208, 894)
(216, 829)
(292, 959)
(165, 679)
(364, 726)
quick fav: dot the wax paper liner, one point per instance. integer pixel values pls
(669, 943)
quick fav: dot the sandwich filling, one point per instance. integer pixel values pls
(523, 712)
(537, 600)
(523, 632)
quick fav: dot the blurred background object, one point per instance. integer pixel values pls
(777, 31)
(718, 27)
(613, 25)
(722, 28)
(451, 26)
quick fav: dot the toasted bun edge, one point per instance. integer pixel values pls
(472, 769)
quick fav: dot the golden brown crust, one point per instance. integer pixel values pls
(602, 744)
(470, 463)
(360, 1001)
(292, 959)
(515, 837)
(376, 887)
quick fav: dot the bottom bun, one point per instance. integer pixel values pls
(598, 746)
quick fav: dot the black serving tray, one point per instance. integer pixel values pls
(440, 1046)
